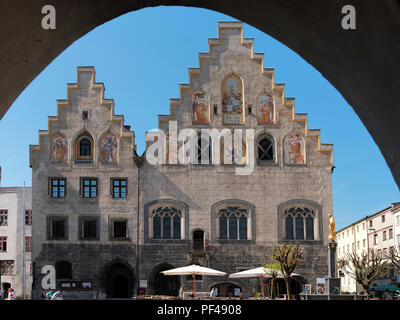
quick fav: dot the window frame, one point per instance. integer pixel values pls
(112, 229)
(3, 244)
(77, 146)
(148, 221)
(4, 218)
(50, 227)
(28, 217)
(50, 188)
(81, 228)
(216, 216)
(112, 190)
(28, 244)
(270, 138)
(233, 227)
(82, 187)
(7, 269)
(314, 210)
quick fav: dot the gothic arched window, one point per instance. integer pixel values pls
(84, 147)
(202, 149)
(299, 223)
(233, 149)
(167, 223)
(233, 223)
(265, 148)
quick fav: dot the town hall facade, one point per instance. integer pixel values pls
(110, 221)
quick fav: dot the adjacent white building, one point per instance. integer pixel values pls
(396, 226)
(15, 216)
(377, 232)
(352, 238)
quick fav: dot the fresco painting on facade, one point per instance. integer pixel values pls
(295, 149)
(266, 112)
(201, 108)
(232, 100)
(109, 149)
(59, 148)
(172, 148)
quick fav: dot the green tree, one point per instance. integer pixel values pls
(273, 270)
(288, 257)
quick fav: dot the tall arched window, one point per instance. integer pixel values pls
(84, 147)
(299, 223)
(167, 222)
(233, 223)
(202, 149)
(265, 149)
(233, 149)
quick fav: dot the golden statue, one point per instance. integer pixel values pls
(332, 228)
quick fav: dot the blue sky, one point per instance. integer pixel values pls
(142, 56)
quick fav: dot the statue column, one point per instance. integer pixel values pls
(333, 280)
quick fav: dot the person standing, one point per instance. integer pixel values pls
(213, 293)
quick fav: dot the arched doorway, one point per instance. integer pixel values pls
(165, 285)
(119, 281)
(227, 289)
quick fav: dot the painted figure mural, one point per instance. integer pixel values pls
(232, 100)
(295, 148)
(108, 149)
(58, 148)
(200, 106)
(265, 106)
(173, 146)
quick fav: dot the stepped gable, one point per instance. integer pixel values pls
(85, 95)
(228, 34)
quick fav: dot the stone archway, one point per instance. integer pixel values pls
(227, 289)
(119, 281)
(364, 72)
(164, 285)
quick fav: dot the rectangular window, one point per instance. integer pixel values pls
(3, 217)
(383, 218)
(58, 187)
(89, 229)
(89, 187)
(358, 245)
(120, 188)
(363, 226)
(384, 236)
(358, 229)
(3, 244)
(375, 239)
(364, 242)
(398, 221)
(119, 229)
(57, 228)
(370, 224)
(28, 241)
(7, 267)
(390, 233)
(28, 217)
